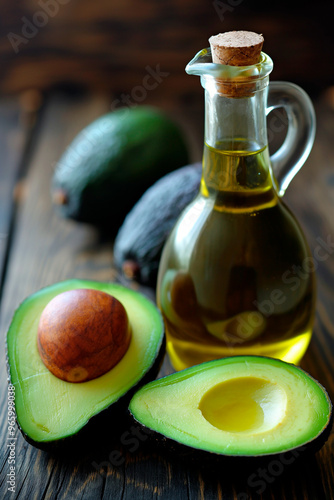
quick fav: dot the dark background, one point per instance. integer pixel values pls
(106, 45)
(100, 50)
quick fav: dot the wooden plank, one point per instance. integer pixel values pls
(108, 45)
(13, 137)
(40, 253)
(47, 249)
(311, 198)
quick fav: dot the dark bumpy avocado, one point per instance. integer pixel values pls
(245, 406)
(49, 409)
(113, 161)
(139, 242)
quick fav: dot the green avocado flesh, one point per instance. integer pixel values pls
(49, 409)
(241, 406)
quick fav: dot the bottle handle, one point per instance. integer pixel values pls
(292, 154)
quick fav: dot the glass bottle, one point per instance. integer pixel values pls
(236, 274)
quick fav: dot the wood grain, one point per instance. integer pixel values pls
(107, 45)
(13, 137)
(45, 249)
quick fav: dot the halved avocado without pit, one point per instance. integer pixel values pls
(245, 406)
(49, 410)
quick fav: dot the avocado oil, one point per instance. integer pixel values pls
(236, 275)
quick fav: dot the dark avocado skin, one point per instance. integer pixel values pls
(141, 238)
(111, 163)
(107, 424)
(181, 452)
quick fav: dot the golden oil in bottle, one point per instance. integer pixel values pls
(236, 275)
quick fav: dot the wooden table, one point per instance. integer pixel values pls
(37, 248)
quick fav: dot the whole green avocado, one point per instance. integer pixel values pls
(112, 161)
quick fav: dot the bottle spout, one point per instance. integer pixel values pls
(230, 81)
(202, 65)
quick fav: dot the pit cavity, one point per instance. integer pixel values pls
(247, 405)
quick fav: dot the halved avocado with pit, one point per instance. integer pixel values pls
(245, 406)
(50, 409)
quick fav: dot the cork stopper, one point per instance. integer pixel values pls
(236, 48)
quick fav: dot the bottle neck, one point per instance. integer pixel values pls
(229, 119)
(236, 160)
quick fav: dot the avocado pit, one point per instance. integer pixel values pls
(82, 334)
